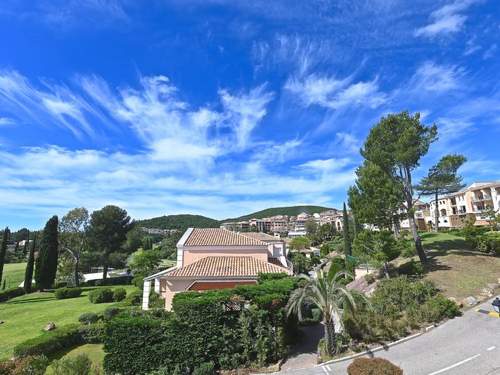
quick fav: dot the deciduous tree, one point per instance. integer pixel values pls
(74, 227)
(396, 144)
(28, 273)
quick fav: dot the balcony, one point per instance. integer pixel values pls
(481, 198)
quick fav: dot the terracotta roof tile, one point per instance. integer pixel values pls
(226, 266)
(220, 237)
(261, 236)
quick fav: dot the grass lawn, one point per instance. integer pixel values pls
(95, 353)
(25, 316)
(13, 273)
(457, 270)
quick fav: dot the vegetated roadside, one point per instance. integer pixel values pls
(25, 316)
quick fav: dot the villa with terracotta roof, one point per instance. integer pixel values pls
(216, 258)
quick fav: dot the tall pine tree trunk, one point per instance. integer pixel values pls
(77, 270)
(408, 193)
(436, 212)
(396, 226)
(105, 272)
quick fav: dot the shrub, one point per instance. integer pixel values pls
(101, 295)
(92, 333)
(30, 365)
(437, 308)
(10, 293)
(489, 242)
(206, 368)
(111, 312)
(370, 278)
(88, 318)
(134, 298)
(51, 342)
(411, 268)
(79, 365)
(373, 366)
(120, 280)
(119, 294)
(64, 293)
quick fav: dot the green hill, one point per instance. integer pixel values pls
(290, 211)
(181, 222)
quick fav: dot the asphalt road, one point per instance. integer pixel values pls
(468, 345)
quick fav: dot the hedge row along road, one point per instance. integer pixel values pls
(462, 346)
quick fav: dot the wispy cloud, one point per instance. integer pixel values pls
(333, 93)
(446, 20)
(436, 78)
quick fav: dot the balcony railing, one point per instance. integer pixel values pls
(482, 198)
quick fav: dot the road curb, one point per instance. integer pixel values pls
(378, 348)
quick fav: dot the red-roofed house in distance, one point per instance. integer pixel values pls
(216, 258)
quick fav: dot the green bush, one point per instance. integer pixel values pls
(207, 368)
(205, 327)
(48, 343)
(79, 365)
(411, 268)
(10, 293)
(489, 242)
(436, 309)
(29, 365)
(92, 333)
(119, 294)
(111, 312)
(373, 366)
(134, 298)
(101, 295)
(88, 318)
(64, 293)
(375, 246)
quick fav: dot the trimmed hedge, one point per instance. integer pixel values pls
(7, 294)
(101, 295)
(120, 280)
(119, 294)
(64, 293)
(489, 242)
(88, 318)
(373, 366)
(30, 365)
(230, 328)
(134, 298)
(51, 342)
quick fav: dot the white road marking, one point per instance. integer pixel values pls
(328, 367)
(455, 365)
(491, 348)
(324, 369)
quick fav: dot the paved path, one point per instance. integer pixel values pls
(468, 345)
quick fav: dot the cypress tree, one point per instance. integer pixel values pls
(3, 249)
(45, 274)
(26, 244)
(28, 274)
(347, 241)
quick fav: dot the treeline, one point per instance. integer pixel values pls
(180, 222)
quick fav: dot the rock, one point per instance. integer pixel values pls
(459, 304)
(1, 321)
(487, 292)
(492, 286)
(50, 326)
(470, 301)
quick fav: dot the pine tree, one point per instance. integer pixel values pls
(345, 230)
(26, 244)
(45, 274)
(3, 249)
(28, 274)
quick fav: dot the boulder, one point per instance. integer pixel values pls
(50, 326)
(487, 292)
(470, 301)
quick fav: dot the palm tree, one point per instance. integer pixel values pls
(330, 296)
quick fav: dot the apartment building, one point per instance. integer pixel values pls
(422, 216)
(476, 199)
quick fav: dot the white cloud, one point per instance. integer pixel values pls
(348, 142)
(436, 78)
(245, 111)
(6, 121)
(446, 20)
(333, 93)
(326, 165)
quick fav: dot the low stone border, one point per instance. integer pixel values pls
(378, 348)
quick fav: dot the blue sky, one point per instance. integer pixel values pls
(224, 107)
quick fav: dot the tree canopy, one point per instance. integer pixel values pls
(48, 254)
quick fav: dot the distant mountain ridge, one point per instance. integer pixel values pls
(180, 222)
(290, 211)
(184, 221)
